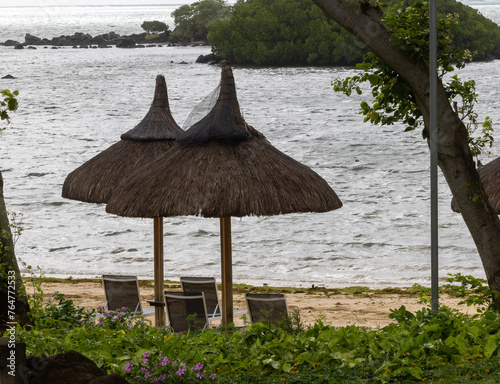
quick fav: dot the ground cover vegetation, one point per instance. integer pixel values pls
(417, 347)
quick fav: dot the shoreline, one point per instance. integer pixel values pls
(356, 305)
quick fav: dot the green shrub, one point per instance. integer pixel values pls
(423, 346)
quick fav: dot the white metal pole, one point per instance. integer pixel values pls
(434, 153)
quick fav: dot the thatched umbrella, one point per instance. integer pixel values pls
(489, 175)
(94, 181)
(223, 167)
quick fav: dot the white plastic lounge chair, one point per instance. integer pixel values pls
(123, 292)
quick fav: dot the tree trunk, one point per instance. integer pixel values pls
(9, 267)
(454, 156)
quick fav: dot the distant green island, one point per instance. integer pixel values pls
(297, 32)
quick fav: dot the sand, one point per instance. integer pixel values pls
(361, 307)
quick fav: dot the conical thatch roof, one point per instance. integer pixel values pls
(222, 167)
(490, 178)
(156, 133)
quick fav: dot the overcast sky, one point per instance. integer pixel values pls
(47, 3)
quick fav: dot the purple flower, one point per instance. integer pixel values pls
(198, 367)
(128, 367)
(146, 354)
(181, 371)
(213, 376)
(165, 361)
(199, 375)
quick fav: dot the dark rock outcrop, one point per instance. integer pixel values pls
(105, 40)
(109, 379)
(11, 43)
(211, 58)
(126, 43)
(32, 40)
(70, 367)
(8, 77)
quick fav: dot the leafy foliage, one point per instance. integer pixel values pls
(422, 346)
(194, 21)
(297, 32)
(475, 291)
(8, 103)
(282, 32)
(474, 32)
(393, 99)
(9, 230)
(154, 26)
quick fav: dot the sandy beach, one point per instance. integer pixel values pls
(354, 306)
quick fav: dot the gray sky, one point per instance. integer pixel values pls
(49, 3)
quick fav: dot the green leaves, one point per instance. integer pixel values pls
(392, 98)
(154, 26)
(282, 32)
(7, 104)
(417, 346)
(195, 21)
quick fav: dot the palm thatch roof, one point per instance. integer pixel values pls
(490, 178)
(222, 167)
(94, 180)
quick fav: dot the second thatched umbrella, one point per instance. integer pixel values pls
(489, 175)
(223, 167)
(94, 181)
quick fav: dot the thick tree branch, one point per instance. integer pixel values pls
(454, 156)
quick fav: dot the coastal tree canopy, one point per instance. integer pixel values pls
(296, 32)
(282, 32)
(154, 26)
(399, 39)
(194, 21)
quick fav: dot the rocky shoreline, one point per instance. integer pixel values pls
(108, 40)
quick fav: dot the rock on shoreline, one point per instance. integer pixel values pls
(106, 40)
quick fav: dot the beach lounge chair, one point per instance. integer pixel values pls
(123, 292)
(186, 311)
(266, 307)
(208, 286)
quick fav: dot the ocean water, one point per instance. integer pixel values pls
(75, 103)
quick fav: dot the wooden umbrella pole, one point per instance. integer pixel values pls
(158, 272)
(226, 270)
